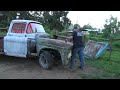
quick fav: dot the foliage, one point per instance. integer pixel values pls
(88, 26)
(54, 20)
(50, 32)
(3, 33)
(86, 38)
(111, 27)
(77, 25)
(7, 17)
(71, 26)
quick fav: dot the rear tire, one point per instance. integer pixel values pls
(46, 60)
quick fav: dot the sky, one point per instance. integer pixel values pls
(94, 18)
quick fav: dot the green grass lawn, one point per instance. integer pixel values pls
(105, 68)
(112, 66)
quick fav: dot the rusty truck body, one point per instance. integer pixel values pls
(26, 38)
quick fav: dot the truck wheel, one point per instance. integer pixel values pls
(46, 60)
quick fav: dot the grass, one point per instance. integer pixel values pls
(110, 69)
(97, 75)
(114, 64)
(105, 68)
(116, 44)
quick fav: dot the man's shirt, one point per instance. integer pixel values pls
(78, 39)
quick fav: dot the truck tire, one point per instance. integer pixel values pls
(46, 60)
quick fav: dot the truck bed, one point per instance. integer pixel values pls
(1, 44)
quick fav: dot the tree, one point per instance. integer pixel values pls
(58, 20)
(54, 20)
(111, 27)
(71, 26)
(88, 26)
(7, 17)
(26, 15)
(77, 25)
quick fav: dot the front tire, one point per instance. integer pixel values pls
(46, 60)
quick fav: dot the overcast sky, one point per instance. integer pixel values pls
(94, 18)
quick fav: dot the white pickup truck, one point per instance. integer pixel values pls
(26, 38)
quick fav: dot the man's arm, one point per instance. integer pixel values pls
(73, 35)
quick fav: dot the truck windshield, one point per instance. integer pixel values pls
(37, 27)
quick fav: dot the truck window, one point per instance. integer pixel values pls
(18, 28)
(29, 29)
(37, 27)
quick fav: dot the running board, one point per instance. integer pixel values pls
(2, 53)
(33, 54)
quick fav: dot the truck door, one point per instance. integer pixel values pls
(15, 43)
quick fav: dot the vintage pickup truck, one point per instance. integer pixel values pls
(26, 38)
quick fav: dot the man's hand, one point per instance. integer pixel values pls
(71, 39)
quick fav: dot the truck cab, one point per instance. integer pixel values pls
(19, 32)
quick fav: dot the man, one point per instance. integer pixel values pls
(78, 47)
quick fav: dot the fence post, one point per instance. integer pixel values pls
(111, 40)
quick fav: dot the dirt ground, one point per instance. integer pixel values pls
(20, 68)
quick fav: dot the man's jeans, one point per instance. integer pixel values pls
(81, 57)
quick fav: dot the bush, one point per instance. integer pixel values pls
(63, 33)
(4, 24)
(3, 33)
(50, 32)
(117, 45)
(105, 35)
(86, 37)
